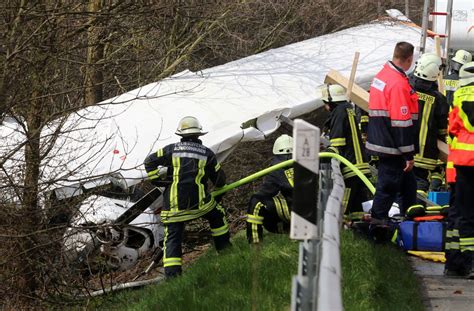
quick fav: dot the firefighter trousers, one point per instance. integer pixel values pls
(392, 180)
(463, 202)
(428, 180)
(354, 195)
(172, 259)
(455, 261)
(422, 180)
(272, 213)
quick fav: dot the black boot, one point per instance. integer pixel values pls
(456, 264)
(470, 274)
(379, 231)
(172, 272)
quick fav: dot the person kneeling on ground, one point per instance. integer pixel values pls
(270, 207)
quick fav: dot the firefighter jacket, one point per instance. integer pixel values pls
(461, 126)
(189, 167)
(432, 123)
(363, 118)
(279, 181)
(345, 138)
(393, 114)
(275, 194)
(451, 84)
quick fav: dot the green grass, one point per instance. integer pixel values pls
(377, 277)
(246, 278)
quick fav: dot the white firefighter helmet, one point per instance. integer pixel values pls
(428, 67)
(333, 93)
(189, 126)
(283, 145)
(126, 246)
(466, 74)
(462, 57)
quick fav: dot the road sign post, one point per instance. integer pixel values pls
(305, 194)
(304, 215)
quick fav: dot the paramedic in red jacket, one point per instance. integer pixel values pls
(393, 115)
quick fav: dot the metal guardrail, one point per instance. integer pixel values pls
(317, 286)
(330, 274)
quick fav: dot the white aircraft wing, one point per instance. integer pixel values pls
(116, 135)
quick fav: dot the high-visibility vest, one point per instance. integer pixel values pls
(450, 171)
(461, 127)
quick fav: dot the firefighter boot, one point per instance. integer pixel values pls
(470, 274)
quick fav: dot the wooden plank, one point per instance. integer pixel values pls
(353, 72)
(360, 97)
(438, 52)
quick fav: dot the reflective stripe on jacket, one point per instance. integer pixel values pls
(345, 138)
(451, 84)
(432, 123)
(450, 169)
(279, 181)
(393, 114)
(461, 126)
(190, 165)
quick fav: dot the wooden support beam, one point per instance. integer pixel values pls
(438, 52)
(353, 73)
(358, 95)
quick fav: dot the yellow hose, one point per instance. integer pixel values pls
(264, 172)
(346, 162)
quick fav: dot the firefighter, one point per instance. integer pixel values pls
(432, 123)
(454, 265)
(393, 114)
(454, 258)
(345, 139)
(461, 131)
(189, 165)
(270, 207)
(451, 80)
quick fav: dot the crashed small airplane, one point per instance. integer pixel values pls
(102, 148)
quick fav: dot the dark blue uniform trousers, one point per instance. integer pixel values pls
(392, 180)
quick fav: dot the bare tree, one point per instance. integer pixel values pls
(95, 54)
(57, 57)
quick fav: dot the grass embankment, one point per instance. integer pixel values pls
(375, 278)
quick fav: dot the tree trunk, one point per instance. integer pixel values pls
(95, 53)
(31, 214)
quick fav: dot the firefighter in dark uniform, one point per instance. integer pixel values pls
(461, 131)
(454, 259)
(451, 80)
(189, 165)
(432, 121)
(345, 139)
(270, 207)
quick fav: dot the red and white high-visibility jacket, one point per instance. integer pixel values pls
(461, 127)
(393, 114)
